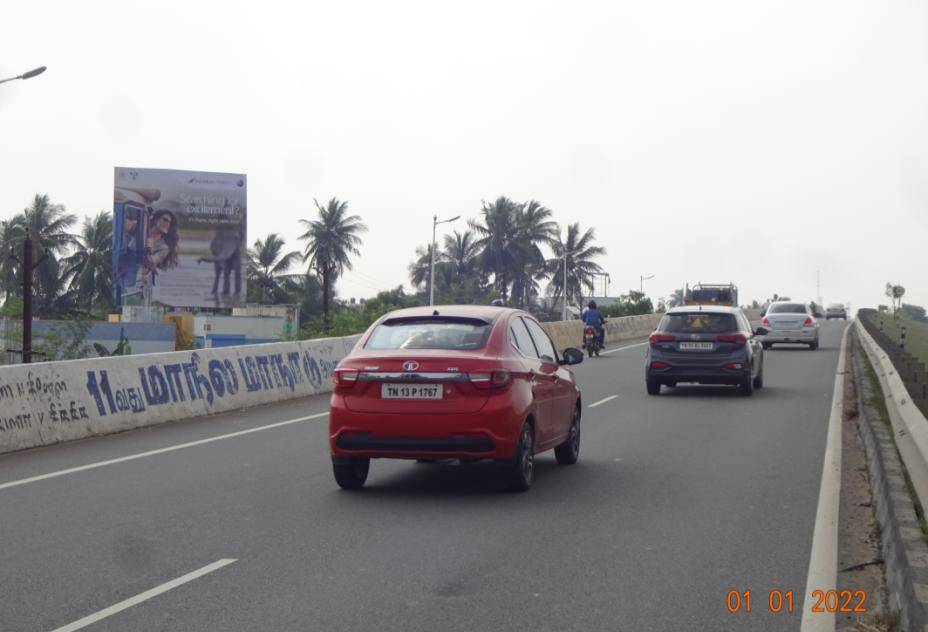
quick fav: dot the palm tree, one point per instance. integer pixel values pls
(461, 251)
(10, 281)
(533, 229)
(497, 242)
(266, 263)
(47, 224)
(331, 239)
(90, 267)
(580, 265)
(421, 266)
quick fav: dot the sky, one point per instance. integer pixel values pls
(763, 143)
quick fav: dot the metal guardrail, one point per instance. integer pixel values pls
(910, 369)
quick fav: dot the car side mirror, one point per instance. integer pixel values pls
(571, 355)
(761, 331)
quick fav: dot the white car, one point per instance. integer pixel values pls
(790, 322)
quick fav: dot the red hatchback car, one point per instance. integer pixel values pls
(454, 381)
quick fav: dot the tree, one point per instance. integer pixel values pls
(89, 269)
(47, 224)
(331, 239)
(913, 312)
(267, 262)
(497, 242)
(580, 265)
(677, 298)
(534, 228)
(461, 251)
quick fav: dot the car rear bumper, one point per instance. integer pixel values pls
(698, 375)
(492, 433)
(797, 336)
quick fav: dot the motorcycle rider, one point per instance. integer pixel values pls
(592, 317)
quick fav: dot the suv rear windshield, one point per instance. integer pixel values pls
(698, 322)
(430, 333)
(787, 308)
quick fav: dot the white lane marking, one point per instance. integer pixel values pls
(140, 455)
(823, 561)
(639, 344)
(602, 401)
(145, 596)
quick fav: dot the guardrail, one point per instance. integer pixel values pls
(910, 426)
(911, 370)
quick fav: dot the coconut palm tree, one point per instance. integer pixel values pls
(421, 266)
(89, 269)
(497, 242)
(534, 228)
(47, 224)
(461, 251)
(580, 265)
(331, 239)
(10, 280)
(267, 261)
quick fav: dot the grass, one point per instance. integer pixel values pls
(916, 333)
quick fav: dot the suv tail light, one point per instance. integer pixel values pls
(765, 321)
(345, 378)
(659, 366)
(499, 378)
(808, 321)
(738, 339)
(659, 337)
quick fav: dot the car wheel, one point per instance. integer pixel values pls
(522, 467)
(654, 387)
(589, 352)
(813, 346)
(747, 387)
(759, 380)
(766, 345)
(568, 452)
(351, 473)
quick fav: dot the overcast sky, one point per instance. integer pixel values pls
(748, 141)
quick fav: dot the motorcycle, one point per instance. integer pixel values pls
(591, 341)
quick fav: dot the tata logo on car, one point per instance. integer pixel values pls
(410, 365)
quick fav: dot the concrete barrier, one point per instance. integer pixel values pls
(569, 333)
(48, 402)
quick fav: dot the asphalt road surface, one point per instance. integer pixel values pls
(676, 500)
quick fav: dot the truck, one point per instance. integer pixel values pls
(711, 294)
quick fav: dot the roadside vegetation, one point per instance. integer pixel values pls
(912, 317)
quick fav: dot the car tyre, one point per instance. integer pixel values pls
(766, 345)
(568, 452)
(813, 346)
(759, 380)
(521, 470)
(351, 473)
(653, 386)
(747, 387)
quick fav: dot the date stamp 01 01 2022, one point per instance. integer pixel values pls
(784, 601)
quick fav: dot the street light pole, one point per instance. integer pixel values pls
(26, 75)
(642, 278)
(435, 224)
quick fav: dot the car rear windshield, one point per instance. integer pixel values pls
(430, 333)
(835, 306)
(698, 322)
(787, 308)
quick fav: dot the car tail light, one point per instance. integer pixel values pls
(808, 321)
(733, 366)
(765, 321)
(660, 365)
(345, 378)
(499, 378)
(738, 339)
(659, 337)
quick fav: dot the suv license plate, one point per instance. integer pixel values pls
(410, 391)
(696, 346)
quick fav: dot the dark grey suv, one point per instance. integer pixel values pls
(705, 345)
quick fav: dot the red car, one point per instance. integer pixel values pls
(454, 381)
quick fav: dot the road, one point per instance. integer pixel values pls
(676, 500)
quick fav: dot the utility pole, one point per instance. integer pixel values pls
(818, 287)
(28, 267)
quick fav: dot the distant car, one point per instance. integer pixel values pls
(790, 322)
(704, 345)
(836, 310)
(455, 381)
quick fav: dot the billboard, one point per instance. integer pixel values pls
(179, 238)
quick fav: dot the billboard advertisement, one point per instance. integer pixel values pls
(179, 238)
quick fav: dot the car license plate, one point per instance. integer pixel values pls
(696, 346)
(410, 391)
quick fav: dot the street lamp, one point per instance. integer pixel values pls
(26, 75)
(642, 279)
(435, 224)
